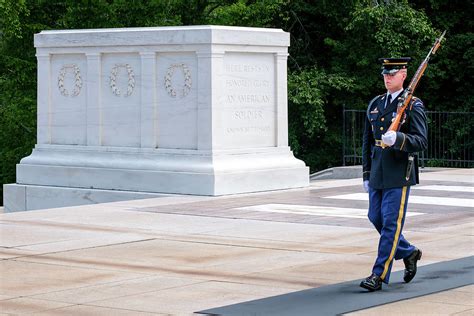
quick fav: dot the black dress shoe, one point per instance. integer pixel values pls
(372, 283)
(410, 265)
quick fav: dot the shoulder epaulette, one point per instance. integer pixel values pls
(415, 100)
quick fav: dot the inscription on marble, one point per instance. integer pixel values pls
(247, 68)
(248, 115)
(249, 99)
(238, 83)
(248, 129)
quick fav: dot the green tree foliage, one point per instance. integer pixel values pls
(309, 92)
(450, 78)
(263, 13)
(10, 16)
(344, 39)
(332, 61)
(17, 89)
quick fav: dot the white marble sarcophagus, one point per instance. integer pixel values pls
(189, 110)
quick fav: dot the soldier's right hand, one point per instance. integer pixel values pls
(366, 186)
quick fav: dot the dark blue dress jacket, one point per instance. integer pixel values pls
(387, 167)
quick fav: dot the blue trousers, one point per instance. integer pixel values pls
(387, 208)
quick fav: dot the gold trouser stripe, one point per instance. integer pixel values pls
(397, 233)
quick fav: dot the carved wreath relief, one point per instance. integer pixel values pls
(77, 80)
(113, 79)
(172, 90)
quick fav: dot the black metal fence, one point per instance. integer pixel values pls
(450, 139)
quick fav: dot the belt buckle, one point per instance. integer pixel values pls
(380, 143)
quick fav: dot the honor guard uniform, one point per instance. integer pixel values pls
(389, 169)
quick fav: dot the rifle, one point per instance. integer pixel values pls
(405, 98)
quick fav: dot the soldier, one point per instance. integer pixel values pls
(390, 167)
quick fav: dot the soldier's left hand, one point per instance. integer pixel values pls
(389, 138)
(366, 186)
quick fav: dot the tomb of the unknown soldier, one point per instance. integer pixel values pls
(134, 113)
(161, 179)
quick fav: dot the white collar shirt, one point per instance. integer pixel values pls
(393, 96)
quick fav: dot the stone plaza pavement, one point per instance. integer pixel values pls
(177, 255)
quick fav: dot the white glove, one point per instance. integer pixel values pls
(389, 138)
(366, 186)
